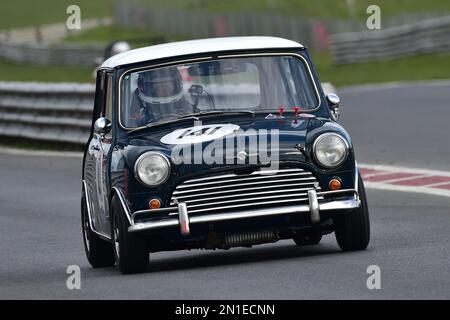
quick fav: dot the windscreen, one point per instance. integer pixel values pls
(262, 83)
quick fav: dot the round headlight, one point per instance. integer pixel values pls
(152, 168)
(330, 150)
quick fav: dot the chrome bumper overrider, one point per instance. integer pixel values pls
(179, 216)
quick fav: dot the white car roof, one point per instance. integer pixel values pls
(168, 50)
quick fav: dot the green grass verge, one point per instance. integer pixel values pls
(102, 34)
(26, 13)
(424, 67)
(23, 72)
(105, 34)
(323, 8)
(405, 69)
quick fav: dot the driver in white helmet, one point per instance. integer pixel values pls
(159, 96)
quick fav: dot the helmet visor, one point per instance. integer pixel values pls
(161, 89)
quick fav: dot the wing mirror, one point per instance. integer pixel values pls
(102, 126)
(333, 101)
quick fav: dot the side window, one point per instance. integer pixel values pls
(107, 109)
(99, 96)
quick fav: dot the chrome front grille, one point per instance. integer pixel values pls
(244, 191)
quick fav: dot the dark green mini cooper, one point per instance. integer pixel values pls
(216, 143)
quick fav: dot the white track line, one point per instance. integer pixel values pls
(386, 185)
(392, 187)
(432, 185)
(405, 178)
(397, 169)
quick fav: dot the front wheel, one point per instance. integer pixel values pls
(353, 229)
(130, 250)
(99, 252)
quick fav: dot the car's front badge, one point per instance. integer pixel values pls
(242, 155)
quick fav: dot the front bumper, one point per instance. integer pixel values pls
(179, 216)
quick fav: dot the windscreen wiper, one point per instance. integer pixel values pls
(216, 112)
(192, 116)
(161, 123)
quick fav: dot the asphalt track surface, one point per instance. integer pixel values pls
(400, 124)
(40, 232)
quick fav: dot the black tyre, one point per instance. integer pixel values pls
(353, 229)
(130, 250)
(99, 252)
(307, 240)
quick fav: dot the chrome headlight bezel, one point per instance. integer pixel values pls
(144, 156)
(339, 137)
